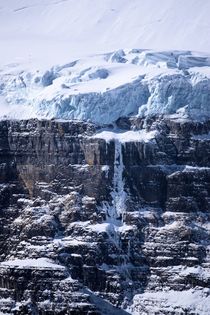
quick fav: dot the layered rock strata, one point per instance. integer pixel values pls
(96, 226)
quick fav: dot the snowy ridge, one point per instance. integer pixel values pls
(102, 88)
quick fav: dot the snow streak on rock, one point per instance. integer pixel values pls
(118, 193)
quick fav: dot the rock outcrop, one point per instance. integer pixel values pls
(96, 226)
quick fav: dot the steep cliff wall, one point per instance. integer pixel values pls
(103, 221)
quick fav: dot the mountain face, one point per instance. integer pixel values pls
(96, 221)
(104, 157)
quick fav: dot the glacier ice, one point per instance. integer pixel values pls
(48, 77)
(200, 99)
(101, 108)
(168, 93)
(104, 87)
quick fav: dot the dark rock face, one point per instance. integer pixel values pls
(118, 220)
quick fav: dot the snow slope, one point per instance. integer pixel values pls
(46, 32)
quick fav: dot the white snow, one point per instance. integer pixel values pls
(48, 31)
(189, 168)
(105, 168)
(118, 193)
(198, 301)
(100, 227)
(31, 263)
(127, 136)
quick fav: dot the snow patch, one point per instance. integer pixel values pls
(128, 136)
(40, 263)
(196, 300)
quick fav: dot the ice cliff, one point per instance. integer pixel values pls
(102, 88)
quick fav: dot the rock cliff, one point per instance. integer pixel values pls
(91, 224)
